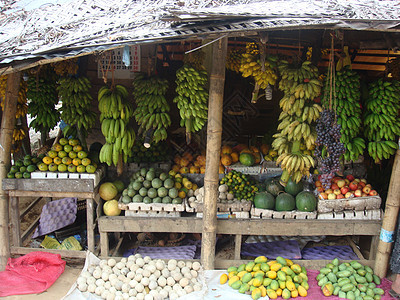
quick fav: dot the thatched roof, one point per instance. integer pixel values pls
(84, 26)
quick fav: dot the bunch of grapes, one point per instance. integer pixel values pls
(241, 185)
(328, 149)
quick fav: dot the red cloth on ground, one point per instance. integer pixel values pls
(32, 273)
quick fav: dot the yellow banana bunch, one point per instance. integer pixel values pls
(234, 59)
(297, 119)
(115, 112)
(195, 59)
(66, 67)
(192, 98)
(22, 107)
(251, 65)
(18, 134)
(74, 93)
(151, 106)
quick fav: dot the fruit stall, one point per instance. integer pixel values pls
(267, 142)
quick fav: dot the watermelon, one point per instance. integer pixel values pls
(306, 201)
(273, 186)
(293, 188)
(264, 200)
(285, 202)
(246, 159)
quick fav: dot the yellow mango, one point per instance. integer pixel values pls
(232, 280)
(223, 279)
(241, 274)
(279, 292)
(259, 273)
(246, 277)
(265, 267)
(294, 294)
(287, 270)
(263, 291)
(267, 281)
(271, 274)
(256, 294)
(231, 274)
(249, 267)
(257, 267)
(290, 285)
(289, 262)
(296, 268)
(305, 285)
(258, 281)
(304, 276)
(282, 284)
(286, 294)
(271, 262)
(302, 291)
(260, 259)
(275, 267)
(272, 294)
(297, 279)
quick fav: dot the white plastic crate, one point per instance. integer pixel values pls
(152, 213)
(229, 215)
(258, 213)
(372, 214)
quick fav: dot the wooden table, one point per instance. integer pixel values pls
(49, 188)
(239, 227)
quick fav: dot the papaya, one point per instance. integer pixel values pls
(281, 275)
(241, 268)
(236, 285)
(244, 288)
(276, 267)
(327, 289)
(304, 276)
(249, 267)
(281, 260)
(265, 267)
(267, 281)
(260, 259)
(336, 291)
(232, 269)
(376, 279)
(287, 270)
(274, 285)
(246, 277)
(259, 273)
(350, 295)
(347, 287)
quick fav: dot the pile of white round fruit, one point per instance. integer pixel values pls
(223, 197)
(141, 278)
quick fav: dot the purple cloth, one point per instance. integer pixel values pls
(179, 252)
(329, 252)
(55, 215)
(289, 249)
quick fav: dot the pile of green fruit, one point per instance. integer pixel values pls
(241, 185)
(23, 168)
(151, 186)
(349, 281)
(156, 153)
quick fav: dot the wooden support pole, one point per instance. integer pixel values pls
(214, 133)
(7, 128)
(389, 220)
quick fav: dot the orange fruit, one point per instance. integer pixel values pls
(58, 160)
(47, 160)
(77, 161)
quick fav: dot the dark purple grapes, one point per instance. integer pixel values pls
(328, 149)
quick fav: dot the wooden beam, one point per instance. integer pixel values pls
(63, 253)
(30, 229)
(389, 220)
(7, 128)
(15, 221)
(214, 133)
(29, 207)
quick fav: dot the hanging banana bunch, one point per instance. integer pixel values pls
(381, 122)
(192, 98)
(234, 60)
(42, 93)
(297, 119)
(116, 112)
(256, 64)
(19, 132)
(66, 67)
(151, 106)
(75, 110)
(347, 91)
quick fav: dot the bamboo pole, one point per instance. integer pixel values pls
(214, 133)
(7, 128)
(389, 220)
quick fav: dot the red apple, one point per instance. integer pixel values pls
(331, 196)
(337, 192)
(329, 191)
(369, 185)
(364, 180)
(361, 183)
(344, 190)
(366, 190)
(357, 193)
(336, 179)
(341, 183)
(350, 177)
(318, 183)
(373, 193)
(323, 196)
(334, 186)
(353, 185)
(320, 189)
(340, 196)
(348, 195)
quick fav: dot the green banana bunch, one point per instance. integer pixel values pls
(381, 125)
(115, 114)
(151, 106)
(192, 98)
(347, 92)
(76, 99)
(43, 98)
(297, 119)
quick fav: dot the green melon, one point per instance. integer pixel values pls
(166, 200)
(152, 193)
(285, 202)
(137, 199)
(137, 185)
(126, 199)
(119, 185)
(143, 192)
(147, 184)
(157, 200)
(108, 191)
(147, 200)
(150, 175)
(293, 188)
(156, 183)
(173, 193)
(264, 200)
(168, 183)
(306, 201)
(246, 159)
(162, 192)
(273, 186)
(131, 192)
(163, 176)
